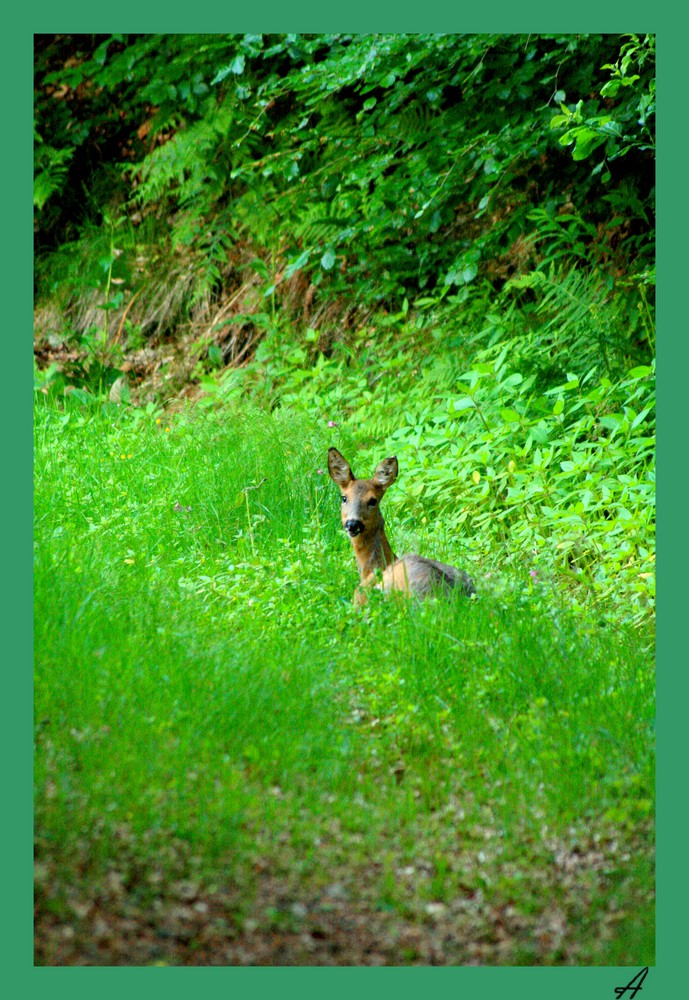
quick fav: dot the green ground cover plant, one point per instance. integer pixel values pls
(526, 448)
(233, 761)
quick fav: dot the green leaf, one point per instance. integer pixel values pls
(640, 417)
(641, 371)
(114, 303)
(215, 355)
(611, 421)
(296, 265)
(510, 416)
(220, 75)
(465, 403)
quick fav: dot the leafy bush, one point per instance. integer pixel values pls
(379, 165)
(518, 457)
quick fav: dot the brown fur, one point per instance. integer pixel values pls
(363, 521)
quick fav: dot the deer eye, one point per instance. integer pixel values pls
(373, 502)
(344, 499)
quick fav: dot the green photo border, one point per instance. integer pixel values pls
(307, 15)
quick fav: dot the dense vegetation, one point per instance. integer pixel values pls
(376, 166)
(249, 248)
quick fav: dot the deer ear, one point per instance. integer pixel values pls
(386, 473)
(339, 469)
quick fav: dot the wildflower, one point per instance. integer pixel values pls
(319, 472)
(331, 423)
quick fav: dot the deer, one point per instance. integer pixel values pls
(378, 565)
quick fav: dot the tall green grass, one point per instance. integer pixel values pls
(202, 678)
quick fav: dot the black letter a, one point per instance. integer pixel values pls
(632, 986)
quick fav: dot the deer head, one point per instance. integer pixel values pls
(361, 497)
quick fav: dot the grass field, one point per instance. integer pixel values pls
(233, 765)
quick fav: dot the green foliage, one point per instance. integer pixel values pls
(50, 171)
(210, 705)
(627, 123)
(379, 164)
(528, 455)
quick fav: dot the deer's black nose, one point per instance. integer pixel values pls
(353, 527)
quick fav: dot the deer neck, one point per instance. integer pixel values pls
(373, 552)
